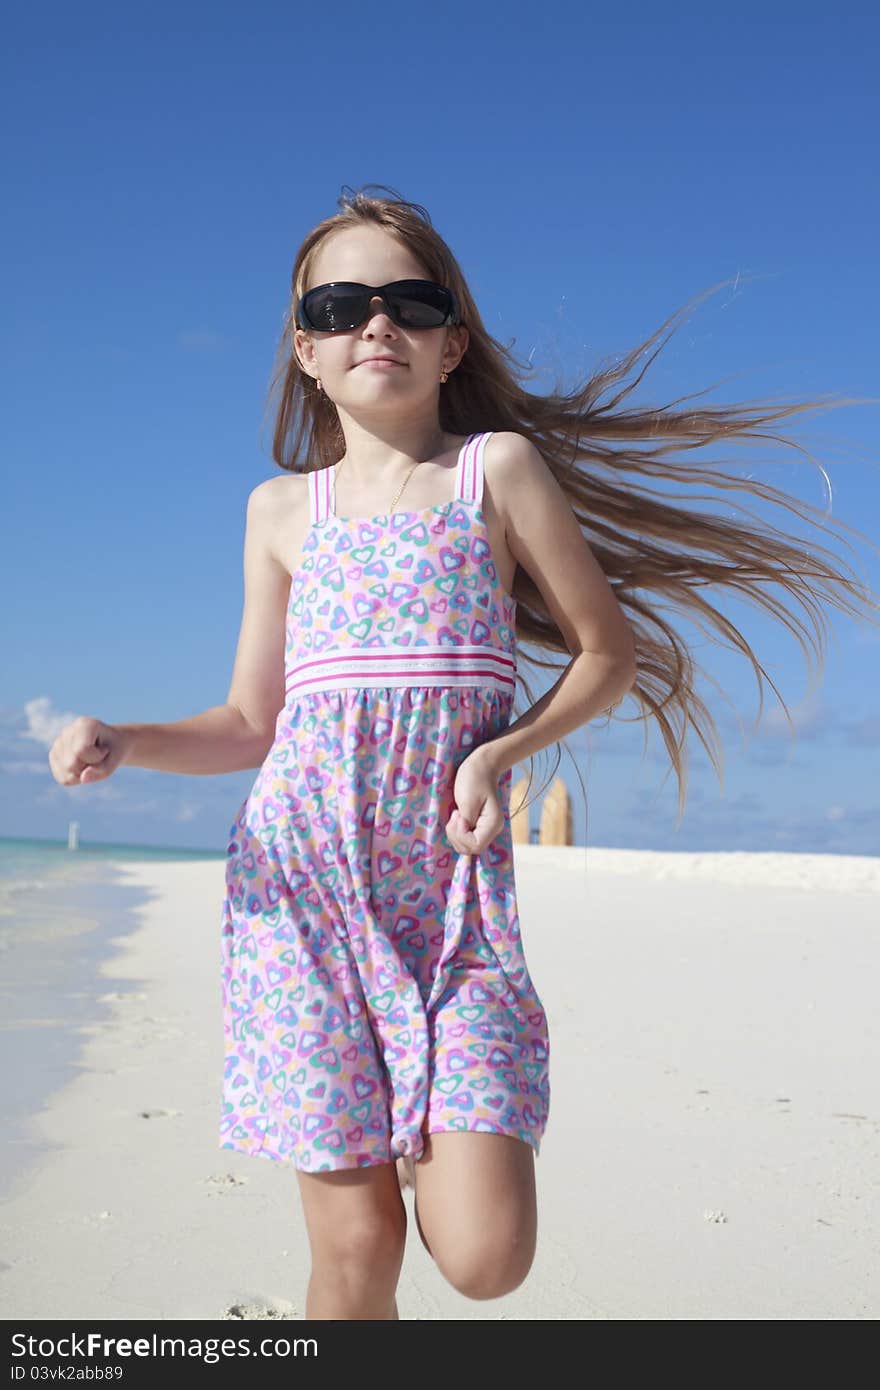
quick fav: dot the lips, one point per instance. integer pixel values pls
(395, 360)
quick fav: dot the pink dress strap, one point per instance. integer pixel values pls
(320, 482)
(469, 479)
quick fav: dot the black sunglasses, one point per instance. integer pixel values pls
(343, 304)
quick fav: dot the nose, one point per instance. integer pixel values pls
(377, 307)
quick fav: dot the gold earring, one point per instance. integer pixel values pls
(318, 383)
(444, 376)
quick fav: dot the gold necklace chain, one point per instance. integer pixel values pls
(397, 498)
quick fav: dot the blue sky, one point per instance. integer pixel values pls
(591, 170)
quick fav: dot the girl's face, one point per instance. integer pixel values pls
(371, 256)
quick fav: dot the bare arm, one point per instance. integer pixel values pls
(218, 740)
(238, 734)
(545, 536)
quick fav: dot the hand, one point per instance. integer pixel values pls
(478, 815)
(87, 751)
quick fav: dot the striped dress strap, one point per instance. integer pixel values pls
(320, 483)
(469, 480)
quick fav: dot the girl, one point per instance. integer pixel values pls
(429, 516)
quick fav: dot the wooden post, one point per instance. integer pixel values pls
(556, 827)
(519, 819)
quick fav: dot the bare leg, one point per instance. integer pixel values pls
(477, 1210)
(356, 1223)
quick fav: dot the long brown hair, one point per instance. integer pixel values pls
(652, 552)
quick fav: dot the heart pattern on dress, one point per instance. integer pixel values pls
(374, 981)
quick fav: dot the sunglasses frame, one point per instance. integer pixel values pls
(370, 291)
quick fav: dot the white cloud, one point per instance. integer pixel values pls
(44, 722)
(810, 716)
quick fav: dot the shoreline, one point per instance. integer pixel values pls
(55, 933)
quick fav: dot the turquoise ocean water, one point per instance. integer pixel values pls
(61, 911)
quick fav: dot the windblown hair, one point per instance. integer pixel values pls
(653, 552)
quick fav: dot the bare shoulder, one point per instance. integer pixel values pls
(279, 506)
(509, 461)
(283, 490)
(545, 537)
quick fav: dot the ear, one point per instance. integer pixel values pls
(304, 350)
(460, 335)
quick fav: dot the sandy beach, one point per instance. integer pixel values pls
(713, 1146)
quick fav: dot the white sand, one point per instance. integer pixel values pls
(713, 1147)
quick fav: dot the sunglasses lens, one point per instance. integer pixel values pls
(413, 304)
(334, 307)
(419, 304)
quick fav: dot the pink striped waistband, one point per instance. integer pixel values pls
(358, 667)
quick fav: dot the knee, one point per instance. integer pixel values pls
(366, 1245)
(489, 1271)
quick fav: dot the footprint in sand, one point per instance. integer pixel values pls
(158, 1114)
(260, 1308)
(222, 1182)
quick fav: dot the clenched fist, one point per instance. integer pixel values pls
(87, 750)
